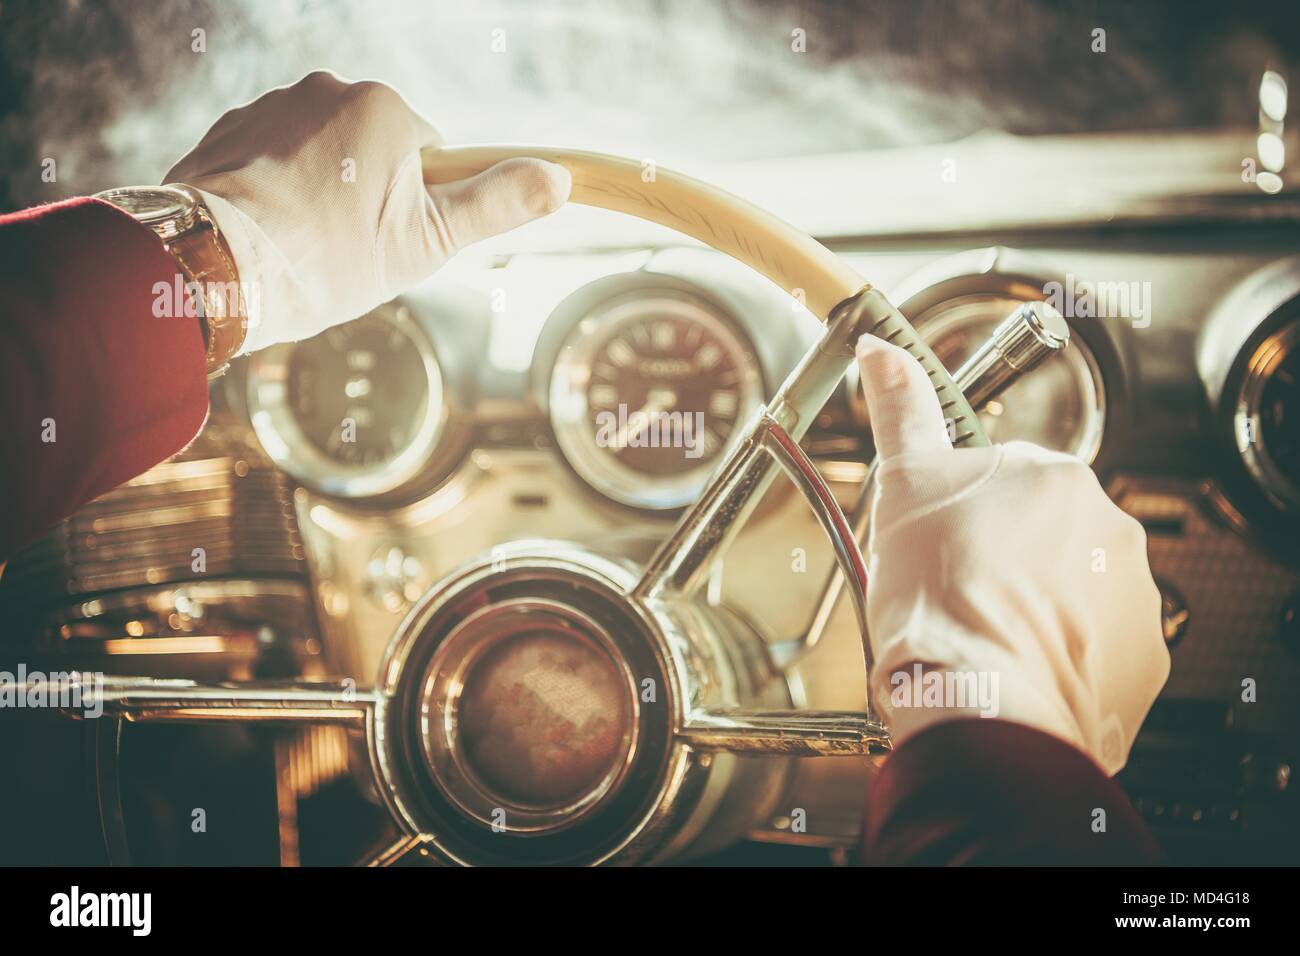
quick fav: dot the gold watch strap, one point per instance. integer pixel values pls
(211, 277)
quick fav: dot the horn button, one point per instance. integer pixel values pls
(528, 707)
(518, 727)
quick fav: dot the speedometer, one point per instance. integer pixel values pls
(355, 411)
(647, 394)
(1060, 405)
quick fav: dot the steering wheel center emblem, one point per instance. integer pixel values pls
(528, 714)
(529, 707)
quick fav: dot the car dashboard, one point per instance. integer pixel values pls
(339, 478)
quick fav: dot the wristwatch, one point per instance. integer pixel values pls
(182, 222)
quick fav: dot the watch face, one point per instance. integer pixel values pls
(152, 204)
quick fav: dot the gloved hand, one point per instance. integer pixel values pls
(1007, 565)
(318, 190)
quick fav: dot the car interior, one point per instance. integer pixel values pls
(459, 553)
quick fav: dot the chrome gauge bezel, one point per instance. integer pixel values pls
(568, 406)
(941, 319)
(1264, 359)
(1248, 333)
(282, 438)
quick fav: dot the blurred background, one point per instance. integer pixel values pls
(114, 91)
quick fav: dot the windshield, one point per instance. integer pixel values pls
(115, 91)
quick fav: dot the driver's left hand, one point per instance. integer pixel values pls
(317, 188)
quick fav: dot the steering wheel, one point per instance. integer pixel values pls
(549, 704)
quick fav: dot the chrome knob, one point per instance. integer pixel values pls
(1021, 341)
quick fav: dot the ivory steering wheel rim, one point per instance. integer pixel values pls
(803, 267)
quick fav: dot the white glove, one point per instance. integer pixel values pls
(1008, 566)
(318, 190)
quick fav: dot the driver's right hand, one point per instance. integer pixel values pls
(1007, 565)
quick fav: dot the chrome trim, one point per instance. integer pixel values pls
(145, 699)
(1265, 357)
(404, 850)
(104, 751)
(798, 733)
(1240, 314)
(848, 555)
(992, 359)
(1031, 333)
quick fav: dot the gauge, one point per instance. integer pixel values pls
(648, 393)
(355, 411)
(1059, 405)
(1267, 417)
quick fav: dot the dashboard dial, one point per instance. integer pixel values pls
(647, 394)
(355, 411)
(1268, 416)
(1060, 405)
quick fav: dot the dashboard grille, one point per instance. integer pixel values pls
(219, 509)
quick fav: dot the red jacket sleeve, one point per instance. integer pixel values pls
(996, 792)
(94, 388)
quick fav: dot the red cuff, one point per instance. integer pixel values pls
(86, 362)
(995, 792)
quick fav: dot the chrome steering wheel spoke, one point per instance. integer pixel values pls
(792, 733)
(154, 700)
